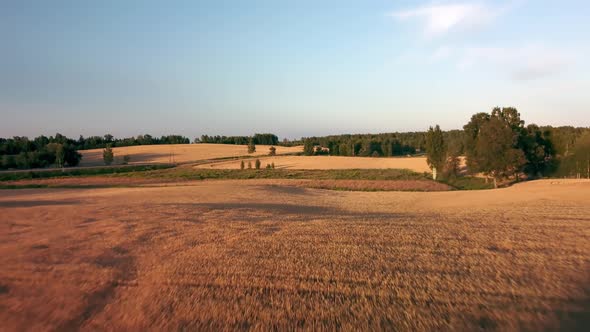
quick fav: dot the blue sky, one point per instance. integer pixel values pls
(294, 68)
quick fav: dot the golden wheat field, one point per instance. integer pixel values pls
(178, 153)
(235, 254)
(417, 164)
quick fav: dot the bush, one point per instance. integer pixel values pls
(257, 163)
(249, 165)
(242, 165)
(8, 162)
(126, 159)
(107, 155)
(251, 146)
(272, 151)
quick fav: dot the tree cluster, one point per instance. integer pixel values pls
(23, 153)
(575, 161)
(262, 139)
(369, 145)
(501, 146)
(101, 142)
(59, 151)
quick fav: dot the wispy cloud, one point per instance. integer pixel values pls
(439, 19)
(441, 53)
(522, 62)
(529, 62)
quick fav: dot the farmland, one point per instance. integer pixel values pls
(262, 254)
(178, 153)
(416, 164)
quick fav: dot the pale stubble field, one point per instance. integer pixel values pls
(240, 254)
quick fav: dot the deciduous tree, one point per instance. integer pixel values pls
(436, 150)
(251, 146)
(308, 149)
(107, 155)
(496, 152)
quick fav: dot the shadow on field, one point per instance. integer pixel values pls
(289, 190)
(293, 212)
(121, 266)
(95, 158)
(148, 157)
(578, 318)
(17, 204)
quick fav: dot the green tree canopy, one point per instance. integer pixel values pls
(308, 149)
(251, 146)
(436, 149)
(496, 151)
(107, 155)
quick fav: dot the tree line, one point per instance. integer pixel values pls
(22, 153)
(497, 144)
(373, 145)
(262, 139)
(500, 146)
(60, 151)
(530, 150)
(101, 142)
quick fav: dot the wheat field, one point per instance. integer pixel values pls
(178, 153)
(416, 164)
(219, 255)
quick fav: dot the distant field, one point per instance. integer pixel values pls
(249, 254)
(416, 164)
(178, 153)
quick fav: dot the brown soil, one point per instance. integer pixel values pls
(220, 255)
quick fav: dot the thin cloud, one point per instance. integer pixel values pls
(439, 19)
(441, 53)
(524, 63)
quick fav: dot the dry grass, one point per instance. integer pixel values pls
(347, 185)
(245, 254)
(416, 164)
(182, 153)
(376, 185)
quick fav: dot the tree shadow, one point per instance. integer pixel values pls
(293, 212)
(17, 204)
(577, 318)
(289, 190)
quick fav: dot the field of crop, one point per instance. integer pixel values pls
(416, 164)
(178, 153)
(237, 254)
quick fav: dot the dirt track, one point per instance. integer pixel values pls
(246, 254)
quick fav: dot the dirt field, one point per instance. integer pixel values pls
(417, 164)
(179, 153)
(249, 254)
